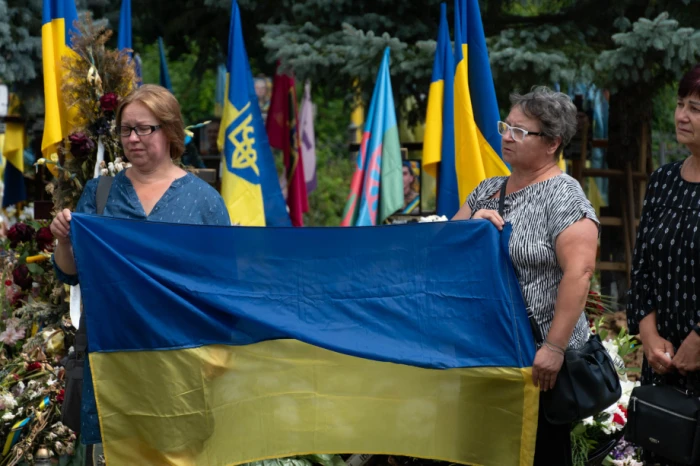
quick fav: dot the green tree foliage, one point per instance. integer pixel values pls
(195, 92)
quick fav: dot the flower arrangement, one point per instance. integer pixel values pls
(602, 433)
(97, 78)
(36, 332)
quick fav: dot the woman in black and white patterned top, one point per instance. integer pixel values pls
(554, 239)
(664, 299)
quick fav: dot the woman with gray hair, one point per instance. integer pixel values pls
(553, 242)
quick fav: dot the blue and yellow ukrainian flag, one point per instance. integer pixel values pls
(409, 340)
(249, 183)
(477, 142)
(57, 24)
(439, 141)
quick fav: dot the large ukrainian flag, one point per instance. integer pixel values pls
(58, 23)
(477, 142)
(439, 141)
(249, 183)
(228, 346)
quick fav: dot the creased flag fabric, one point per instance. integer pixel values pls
(249, 183)
(308, 138)
(477, 150)
(409, 340)
(13, 151)
(283, 134)
(58, 18)
(376, 188)
(164, 73)
(439, 141)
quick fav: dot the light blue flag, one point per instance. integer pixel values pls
(164, 74)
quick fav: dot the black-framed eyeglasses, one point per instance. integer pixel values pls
(140, 130)
(518, 134)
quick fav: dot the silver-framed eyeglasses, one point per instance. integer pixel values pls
(518, 134)
(140, 130)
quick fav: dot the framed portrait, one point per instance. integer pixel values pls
(412, 177)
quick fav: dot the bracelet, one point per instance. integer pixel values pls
(556, 346)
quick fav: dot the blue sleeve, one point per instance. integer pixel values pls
(219, 213)
(86, 205)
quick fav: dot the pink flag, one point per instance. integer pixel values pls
(308, 139)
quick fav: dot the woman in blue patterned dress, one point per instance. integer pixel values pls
(664, 300)
(154, 189)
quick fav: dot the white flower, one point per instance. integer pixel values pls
(8, 416)
(51, 436)
(588, 421)
(627, 388)
(51, 381)
(7, 401)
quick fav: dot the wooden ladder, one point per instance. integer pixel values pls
(626, 180)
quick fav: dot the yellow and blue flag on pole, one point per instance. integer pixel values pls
(249, 183)
(439, 141)
(477, 142)
(58, 19)
(219, 358)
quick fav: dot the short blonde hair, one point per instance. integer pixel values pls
(163, 104)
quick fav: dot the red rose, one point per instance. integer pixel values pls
(617, 419)
(19, 233)
(8, 282)
(60, 396)
(109, 102)
(44, 238)
(34, 366)
(81, 145)
(20, 275)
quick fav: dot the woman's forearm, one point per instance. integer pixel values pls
(571, 300)
(63, 256)
(647, 327)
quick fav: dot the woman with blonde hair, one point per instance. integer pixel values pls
(153, 189)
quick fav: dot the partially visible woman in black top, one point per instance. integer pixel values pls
(664, 299)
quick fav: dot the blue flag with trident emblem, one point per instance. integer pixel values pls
(249, 183)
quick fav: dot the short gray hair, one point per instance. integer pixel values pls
(554, 110)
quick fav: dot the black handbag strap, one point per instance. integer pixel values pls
(502, 199)
(104, 184)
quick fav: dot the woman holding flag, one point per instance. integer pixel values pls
(154, 188)
(554, 238)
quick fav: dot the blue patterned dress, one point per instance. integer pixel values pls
(188, 200)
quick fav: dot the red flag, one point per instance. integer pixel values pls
(283, 134)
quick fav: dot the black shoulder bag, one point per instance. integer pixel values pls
(665, 420)
(70, 409)
(587, 382)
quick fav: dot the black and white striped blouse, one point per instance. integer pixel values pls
(539, 213)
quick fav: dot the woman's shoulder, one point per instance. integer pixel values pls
(198, 187)
(670, 170)
(488, 187)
